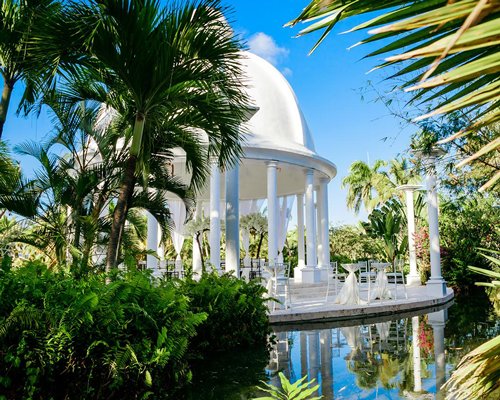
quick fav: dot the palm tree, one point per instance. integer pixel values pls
(363, 183)
(373, 186)
(446, 51)
(168, 74)
(17, 20)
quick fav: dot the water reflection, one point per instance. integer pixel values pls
(381, 360)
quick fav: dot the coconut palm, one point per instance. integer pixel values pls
(446, 51)
(363, 184)
(373, 186)
(17, 20)
(168, 74)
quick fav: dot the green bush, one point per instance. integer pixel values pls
(62, 337)
(67, 338)
(237, 312)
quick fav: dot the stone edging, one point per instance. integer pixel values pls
(356, 313)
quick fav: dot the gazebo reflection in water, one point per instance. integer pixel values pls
(370, 358)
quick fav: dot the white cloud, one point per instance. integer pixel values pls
(287, 72)
(264, 46)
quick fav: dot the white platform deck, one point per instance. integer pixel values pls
(308, 304)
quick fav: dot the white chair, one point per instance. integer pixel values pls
(398, 278)
(366, 275)
(281, 285)
(334, 274)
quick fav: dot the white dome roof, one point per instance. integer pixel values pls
(279, 122)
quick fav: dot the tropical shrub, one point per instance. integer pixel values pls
(67, 338)
(349, 244)
(388, 223)
(477, 376)
(464, 225)
(236, 312)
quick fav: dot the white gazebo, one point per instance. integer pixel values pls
(279, 165)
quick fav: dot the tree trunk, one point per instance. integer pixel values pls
(260, 245)
(201, 253)
(120, 213)
(8, 86)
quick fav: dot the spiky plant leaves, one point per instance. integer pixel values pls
(300, 390)
(450, 45)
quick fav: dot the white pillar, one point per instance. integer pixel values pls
(311, 258)
(303, 353)
(319, 232)
(310, 274)
(417, 370)
(438, 321)
(436, 285)
(326, 364)
(324, 228)
(152, 242)
(300, 231)
(272, 211)
(197, 267)
(233, 220)
(214, 237)
(314, 356)
(413, 279)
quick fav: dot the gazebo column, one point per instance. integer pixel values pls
(233, 220)
(272, 211)
(214, 237)
(413, 279)
(197, 267)
(324, 229)
(436, 286)
(325, 339)
(438, 321)
(300, 231)
(417, 369)
(152, 242)
(310, 273)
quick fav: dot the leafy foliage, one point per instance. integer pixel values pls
(373, 186)
(387, 223)
(478, 373)
(82, 338)
(349, 244)
(237, 312)
(299, 390)
(466, 224)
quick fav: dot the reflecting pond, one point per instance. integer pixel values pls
(405, 356)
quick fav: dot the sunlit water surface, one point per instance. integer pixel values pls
(397, 357)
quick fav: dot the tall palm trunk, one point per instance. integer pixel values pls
(120, 213)
(8, 86)
(127, 190)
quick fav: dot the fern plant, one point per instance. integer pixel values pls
(300, 390)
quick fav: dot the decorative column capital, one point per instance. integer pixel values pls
(309, 171)
(410, 188)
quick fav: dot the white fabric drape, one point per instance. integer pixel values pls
(178, 214)
(285, 215)
(349, 294)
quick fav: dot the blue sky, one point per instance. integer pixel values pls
(332, 86)
(345, 126)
